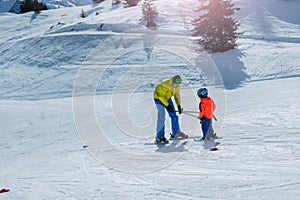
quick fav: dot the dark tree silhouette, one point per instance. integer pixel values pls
(32, 5)
(149, 13)
(215, 26)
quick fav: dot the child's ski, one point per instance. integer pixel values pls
(4, 190)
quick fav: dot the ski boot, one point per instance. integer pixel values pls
(161, 140)
(203, 138)
(179, 135)
(212, 137)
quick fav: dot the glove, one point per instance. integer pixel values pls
(200, 120)
(179, 109)
(170, 108)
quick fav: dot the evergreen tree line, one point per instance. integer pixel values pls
(215, 27)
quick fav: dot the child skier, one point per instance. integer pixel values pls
(206, 112)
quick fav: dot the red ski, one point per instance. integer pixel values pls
(214, 149)
(4, 190)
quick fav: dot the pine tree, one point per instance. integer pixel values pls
(149, 13)
(36, 7)
(82, 15)
(215, 26)
(32, 5)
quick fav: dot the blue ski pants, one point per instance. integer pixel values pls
(160, 126)
(206, 125)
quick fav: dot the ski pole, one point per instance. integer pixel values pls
(190, 111)
(215, 118)
(190, 115)
(184, 112)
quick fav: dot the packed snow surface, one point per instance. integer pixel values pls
(76, 104)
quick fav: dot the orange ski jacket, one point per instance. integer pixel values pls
(207, 107)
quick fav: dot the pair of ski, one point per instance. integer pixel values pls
(168, 141)
(210, 144)
(196, 139)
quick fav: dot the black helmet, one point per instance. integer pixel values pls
(202, 92)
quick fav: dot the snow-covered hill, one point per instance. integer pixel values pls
(67, 81)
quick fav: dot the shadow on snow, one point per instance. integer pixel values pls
(231, 68)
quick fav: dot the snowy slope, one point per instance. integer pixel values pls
(66, 82)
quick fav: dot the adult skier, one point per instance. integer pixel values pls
(163, 94)
(206, 112)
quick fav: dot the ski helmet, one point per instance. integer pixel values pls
(202, 92)
(177, 79)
